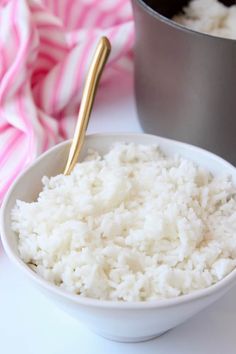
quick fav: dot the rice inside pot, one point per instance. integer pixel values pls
(209, 16)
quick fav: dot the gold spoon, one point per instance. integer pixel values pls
(95, 70)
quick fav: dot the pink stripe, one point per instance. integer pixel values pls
(72, 38)
(53, 44)
(124, 48)
(48, 57)
(113, 32)
(67, 12)
(19, 58)
(23, 113)
(38, 76)
(48, 26)
(120, 68)
(3, 56)
(46, 3)
(40, 72)
(5, 127)
(57, 84)
(47, 127)
(81, 65)
(34, 7)
(110, 13)
(61, 129)
(9, 147)
(15, 29)
(82, 18)
(16, 172)
(130, 55)
(56, 8)
(28, 125)
(78, 77)
(61, 72)
(46, 139)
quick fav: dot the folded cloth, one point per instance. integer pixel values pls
(45, 49)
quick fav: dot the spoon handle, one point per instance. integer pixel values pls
(95, 70)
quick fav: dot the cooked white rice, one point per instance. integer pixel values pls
(131, 225)
(209, 16)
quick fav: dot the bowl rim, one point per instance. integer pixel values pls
(221, 285)
(150, 11)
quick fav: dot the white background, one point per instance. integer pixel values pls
(30, 324)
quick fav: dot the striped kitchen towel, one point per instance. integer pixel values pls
(45, 49)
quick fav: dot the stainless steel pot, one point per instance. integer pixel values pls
(185, 81)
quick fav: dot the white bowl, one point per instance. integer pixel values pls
(121, 321)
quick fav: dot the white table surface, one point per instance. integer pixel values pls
(30, 324)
